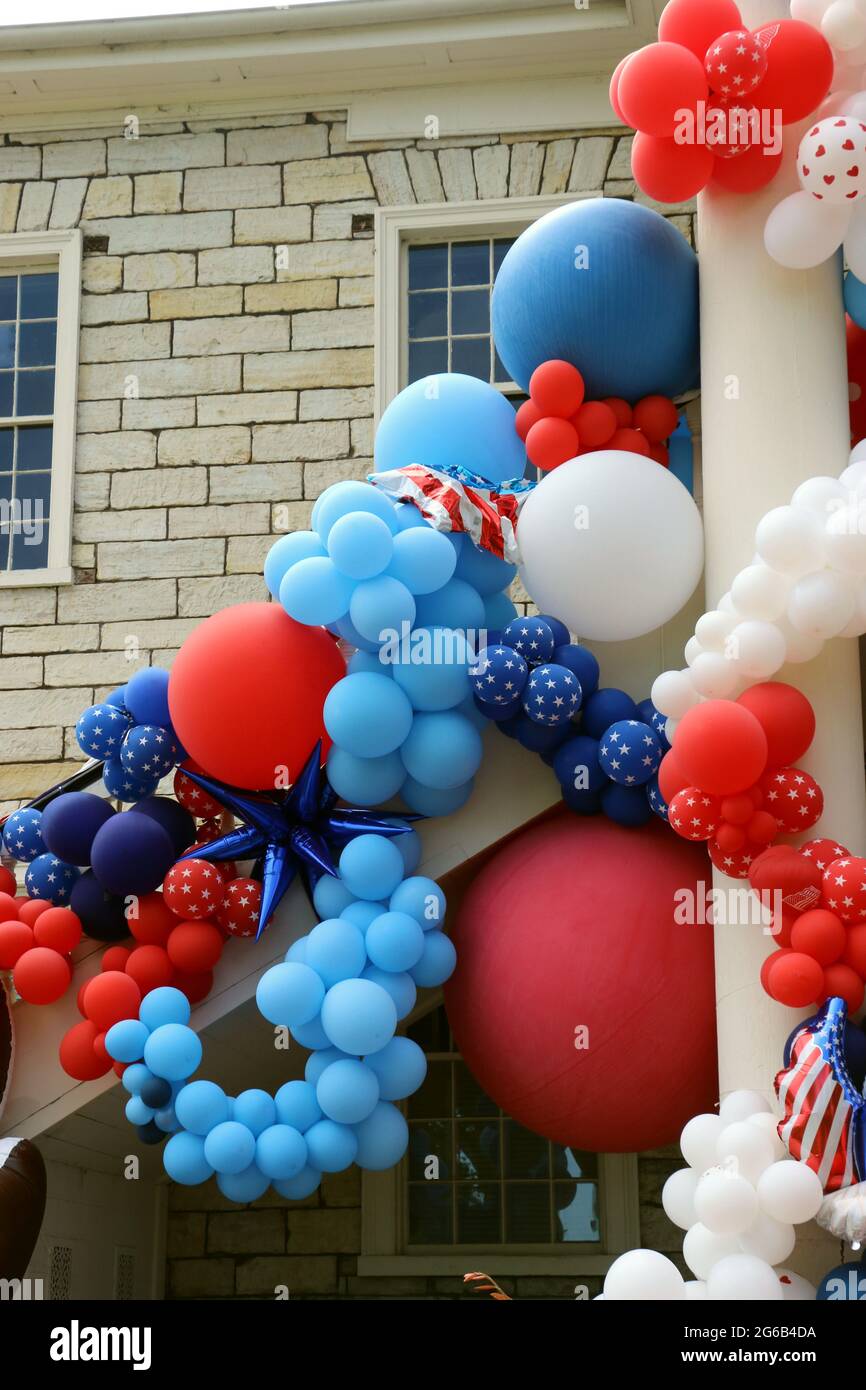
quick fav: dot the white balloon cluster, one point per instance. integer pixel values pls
(843, 24)
(809, 226)
(806, 584)
(738, 1202)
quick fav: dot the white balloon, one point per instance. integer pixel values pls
(795, 1289)
(760, 592)
(845, 534)
(693, 649)
(725, 1202)
(741, 1105)
(712, 629)
(770, 1240)
(696, 1290)
(702, 1248)
(745, 1148)
(643, 1275)
(671, 726)
(768, 1124)
(743, 1279)
(855, 241)
(819, 494)
(612, 544)
(798, 647)
(791, 540)
(713, 675)
(790, 1191)
(673, 693)
(820, 605)
(678, 1197)
(726, 604)
(826, 166)
(809, 11)
(800, 232)
(758, 649)
(698, 1141)
(843, 26)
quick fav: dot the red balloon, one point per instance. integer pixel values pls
(613, 91)
(193, 889)
(672, 776)
(538, 962)
(191, 796)
(763, 828)
(855, 338)
(79, 998)
(721, 746)
(754, 168)
(195, 947)
(668, 172)
(100, 1051)
(820, 934)
(844, 888)
(739, 809)
(629, 441)
(736, 863)
(77, 1056)
(8, 908)
(7, 881)
(15, 939)
(730, 838)
(621, 410)
(841, 980)
(154, 921)
(41, 975)
(786, 717)
(854, 953)
(527, 416)
(795, 979)
(659, 454)
(557, 388)
(251, 664)
(595, 423)
(799, 71)
(695, 23)
(110, 997)
(656, 417)
(770, 960)
(150, 968)
(694, 815)
(735, 64)
(238, 913)
(823, 852)
(59, 928)
(794, 798)
(195, 987)
(657, 84)
(30, 909)
(114, 958)
(551, 442)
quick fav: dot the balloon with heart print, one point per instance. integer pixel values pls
(831, 160)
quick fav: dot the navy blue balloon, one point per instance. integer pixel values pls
(553, 695)
(581, 661)
(585, 803)
(541, 738)
(122, 784)
(102, 914)
(70, 823)
(146, 697)
(177, 822)
(855, 1053)
(500, 714)
(22, 834)
(498, 677)
(647, 711)
(561, 634)
(627, 806)
(156, 1092)
(630, 753)
(150, 1133)
(132, 854)
(607, 706)
(577, 765)
(512, 725)
(149, 751)
(577, 285)
(532, 637)
(656, 801)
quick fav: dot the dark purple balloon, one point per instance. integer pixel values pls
(102, 914)
(70, 822)
(178, 823)
(131, 854)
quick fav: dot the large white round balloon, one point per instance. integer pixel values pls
(702, 1248)
(844, 25)
(612, 544)
(643, 1275)
(678, 1197)
(698, 1141)
(725, 1202)
(743, 1279)
(790, 1191)
(770, 1240)
(800, 232)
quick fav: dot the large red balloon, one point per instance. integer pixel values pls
(669, 172)
(786, 717)
(570, 927)
(800, 68)
(657, 84)
(246, 694)
(754, 168)
(721, 746)
(695, 23)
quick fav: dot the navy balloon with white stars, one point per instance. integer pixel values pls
(552, 696)
(100, 730)
(148, 751)
(22, 834)
(630, 753)
(499, 676)
(48, 877)
(533, 637)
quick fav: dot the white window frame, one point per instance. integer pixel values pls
(21, 252)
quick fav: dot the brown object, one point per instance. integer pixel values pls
(22, 1204)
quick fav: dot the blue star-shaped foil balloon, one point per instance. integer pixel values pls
(289, 832)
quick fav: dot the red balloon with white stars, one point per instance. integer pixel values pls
(238, 913)
(843, 888)
(694, 814)
(736, 864)
(194, 798)
(193, 889)
(736, 64)
(793, 797)
(823, 852)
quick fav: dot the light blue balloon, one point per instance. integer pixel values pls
(395, 941)
(330, 896)
(137, 1112)
(423, 560)
(311, 1034)
(855, 299)
(347, 1091)
(135, 1076)
(361, 545)
(456, 605)
(247, 1186)
(173, 1051)
(361, 913)
(401, 987)
(298, 950)
(442, 750)
(411, 849)
(290, 993)
(365, 661)
(281, 1152)
(364, 781)
(164, 1005)
(380, 607)
(499, 611)
(319, 1060)
(371, 866)
(230, 1147)
(331, 1148)
(437, 963)
(315, 592)
(367, 714)
(297, 1105)
(351, 496)
(485, 572)
(346, 629)
(255, 1109)
(286, 552)
(470, 711)
(303, 1185)
(422, 898)
(184, 1159)
(451, 420)
(125, 1040)
(382, 1138)
(201, 1105)
(400, 1067)
(336, 951)
(359, 1016)
(433, 668)
(430, 801)
(408, 516)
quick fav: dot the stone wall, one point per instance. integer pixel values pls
(226, 369)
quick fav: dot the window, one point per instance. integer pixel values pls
(39, 315)
(450, 284)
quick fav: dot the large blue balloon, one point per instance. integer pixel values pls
(364, 781)
(442, 751)
(70, 822)
(347, 1091)
(131, 854)
(175, 820)
(433, 668)
(382, 1138)
(609, 286)
(280, 1151)
(451, 421)
(297, 1105)
(367, 714)
(184, 1159)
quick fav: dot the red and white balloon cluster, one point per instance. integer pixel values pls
(738, 1202)
(806, 584)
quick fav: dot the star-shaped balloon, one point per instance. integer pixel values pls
(289, 832)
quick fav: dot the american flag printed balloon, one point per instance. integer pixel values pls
(831, 160)
(736, 64)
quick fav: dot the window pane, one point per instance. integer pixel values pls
(34, 447)
(574, 1164)
(29, 556)
(38, 344)
(576, 1207)
(431, 1032)
(478, 1214)
(500, 371)
(527, 1213)
(8, 296)
(7, 380)
(470, 263)
(470, 311)
(425, 359)
(478, 1150)
(433, 1098)
(39, 295)
(469, 1099)
(35, 393)
(7, 344)
(33, 491)
(471, 356)
(7, 441)
(501, 247)
(431, 1219)
(428, 267)
(4, 549)
(526, 1155)
(5, 492)
(426, 1141)
(428, 315)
